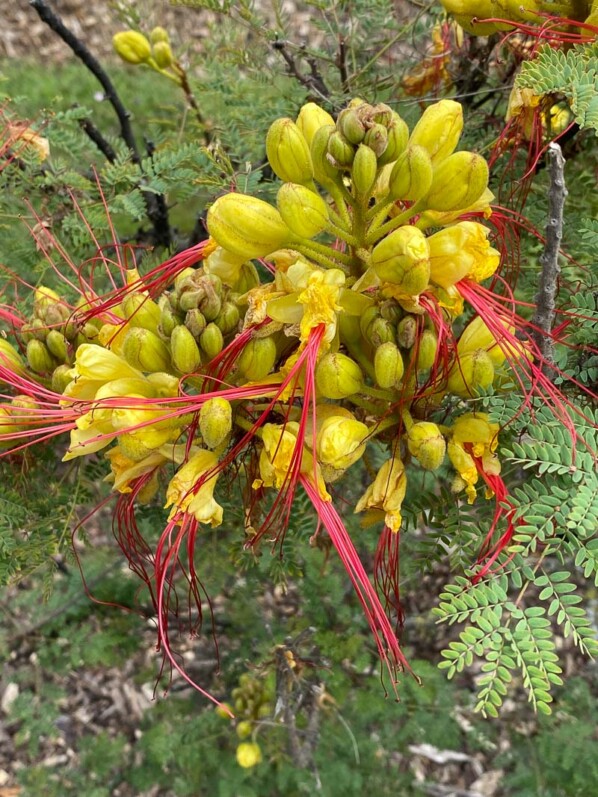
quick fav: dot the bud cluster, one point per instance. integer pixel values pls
(468, 13)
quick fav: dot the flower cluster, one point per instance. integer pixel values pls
(350, 317)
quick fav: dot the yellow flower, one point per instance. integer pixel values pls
(461, 251)
(476, 429)
(464, 464)
(200, 503)
(248, 754)
(125, 470)
(385, 495)
(94, 363)
(339, 444)
(281, 462)
(440, 218)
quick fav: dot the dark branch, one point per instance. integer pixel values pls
(313, 82)
(549, 259)
(92, 132)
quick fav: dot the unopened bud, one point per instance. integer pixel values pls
(162, 54)
(43, 298)
(257, 358)
(164, 385)
(471, 371)
(380, 331)
(61, 377)
(304, 212)
(458, 182)
(426, 350)
(141, 311)
(246, 225)
(248, 278)
(39, 357)
(228, 319)
(159, 34)
(426, 443)
(195, 322)
(210, 305)
(412, 175)
(402, 259)
(132, 46)
(215, 421)
(311, 118)
(350, 125)
(10, 357)
(391, 311)
(364, 171)
(338, 376)
(186, 356)
(168, 320)
(439, 129)
(388, 365)
(407, 331)
(340, 150)
(341, 442)
(144, 350)
(398, 136)
(58, 345)
(211, 341)
(376, 139)
(288, 152)
(324, 170)
(90, 332)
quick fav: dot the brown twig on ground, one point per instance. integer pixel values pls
(161, 227)
(549, 259)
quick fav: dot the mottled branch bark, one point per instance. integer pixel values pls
(549, 259)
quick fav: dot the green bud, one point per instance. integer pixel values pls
(58, 345)
(211, 304)
(288, 152)
(351, 126)
(426, 350)
(141, 311)
(195, 322)
(61, 377)
(311, 118)
(376, 139)
(211, 341)
(168, 320)
(391, 311)
(458, 182)
(367, 318)
(159, 34)
(324, 169)
(338, 376)
(10, 357)
(215, 421)
(90, 332)
(304, 212)
(36, 329)
(144, 350)
(246, 225)
(388, 365)
(248, 278)
(228, 319)
(471, 371)
(186, 356)
(407, 331)
(340, 150)
(184, 275)
(257, 358)
(364, 171)
(382, 114)
(412, 175)
(162, 54)
(39, 357)
(398, 136)
(380, 331)
(426, 443)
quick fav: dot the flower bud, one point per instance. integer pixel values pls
(338, 376)
(132, 46)
(144, 350)
(225, 265)
(257, 358)
(248, 278)
(58, 345)
(311, 118)
(426, 443)
(39, 357)
(477, 335)
(159, 34)
(376, 139)
(43, 298)
(195, 322)
(288, 152)
(459, 251)
(210, 305)
(211, 341)
(141, 311)
(248, 754)
(351, 126)
(340, 442)
(162, 54)
(61, 377)
(388, 365)
(90, 332)
(364, 171)
(426, 350)
(380, 331)
(246, 225)
(227, 320)
(324, 169)
(215, 421)
(402, 259)
(304, 212)
(398, 136)
(340, 150)
(367, 318)
(458, 182)
(168, 320)
(10, 357)
(186, 356)
(471, 371)
(411, 176)
(163, 385)
(407, 331)
(439, 129)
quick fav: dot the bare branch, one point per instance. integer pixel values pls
(549, 259)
